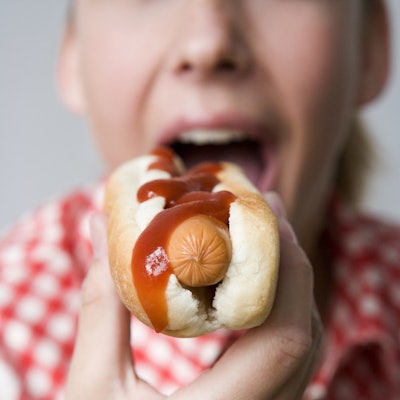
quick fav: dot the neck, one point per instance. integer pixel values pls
(323, 280)
(319, 255)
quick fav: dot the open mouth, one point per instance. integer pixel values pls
(252, 155)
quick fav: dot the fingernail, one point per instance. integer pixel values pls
(275, 202)
(287, 231)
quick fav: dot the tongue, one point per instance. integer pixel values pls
(246, 155)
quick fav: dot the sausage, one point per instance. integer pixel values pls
(200, 251)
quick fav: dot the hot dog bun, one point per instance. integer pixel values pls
(208, 274)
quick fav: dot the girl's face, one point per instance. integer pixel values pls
(270, 84)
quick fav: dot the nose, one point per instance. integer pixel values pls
(211, 41)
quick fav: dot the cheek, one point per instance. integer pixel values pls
(319, 99)
(111, 76)
(116, 77)
(318, 94)
(320, 79)
(123, 43)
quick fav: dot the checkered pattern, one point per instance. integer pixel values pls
(44, 258)
(362, 355)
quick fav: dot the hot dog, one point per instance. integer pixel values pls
(191, 251)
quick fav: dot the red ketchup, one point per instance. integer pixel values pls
(186, 196)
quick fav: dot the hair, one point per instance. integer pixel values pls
(355, 164)
(70, 10)
(358, 156)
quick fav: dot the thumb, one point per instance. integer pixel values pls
(102, 348)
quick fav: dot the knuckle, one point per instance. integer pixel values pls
(296, 346)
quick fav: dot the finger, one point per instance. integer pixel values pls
(291, 326)
(102, 350)
(281, 347)
(275, 202)
(297, 385)
(294, 300)
(259, 364)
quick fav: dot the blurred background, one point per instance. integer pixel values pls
(44, 150)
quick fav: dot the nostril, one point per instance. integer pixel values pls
(226, 65)
(186, 67)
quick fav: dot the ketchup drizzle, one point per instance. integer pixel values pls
(186, 196)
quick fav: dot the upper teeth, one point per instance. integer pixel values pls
(211, 136)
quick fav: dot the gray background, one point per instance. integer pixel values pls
(44, 150)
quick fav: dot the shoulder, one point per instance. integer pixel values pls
(43, 259)
(366, 302)
(53, 239)
(368, 236)
(57, 226)
(367, 254)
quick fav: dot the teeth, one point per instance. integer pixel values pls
(211, 136)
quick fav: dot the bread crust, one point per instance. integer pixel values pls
(243, 299)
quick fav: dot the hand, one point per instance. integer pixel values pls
(273, 361)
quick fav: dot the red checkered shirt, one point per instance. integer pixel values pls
(45, 256)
